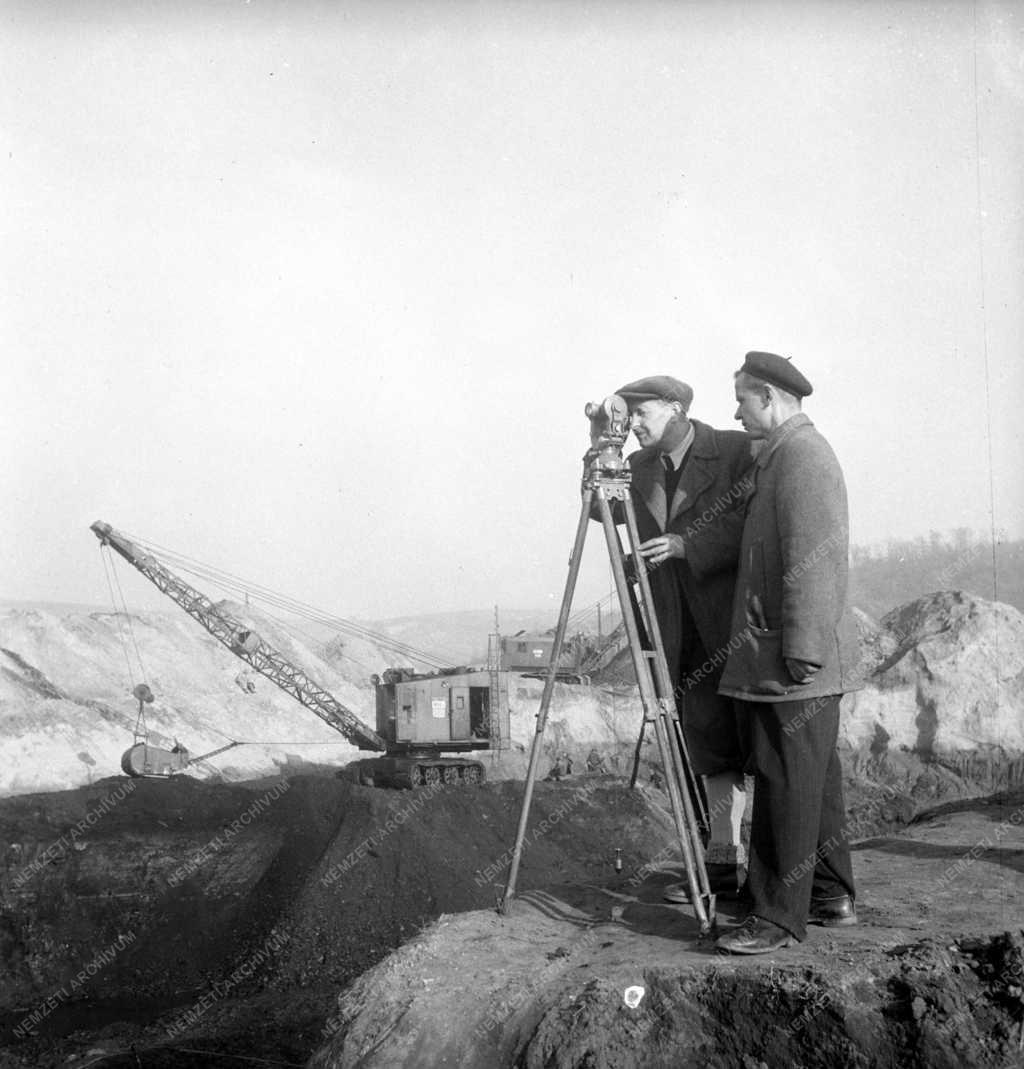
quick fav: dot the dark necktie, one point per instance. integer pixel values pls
(671, 479)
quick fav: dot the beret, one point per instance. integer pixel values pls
(657, 388)
(779, 371)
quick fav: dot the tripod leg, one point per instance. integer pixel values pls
(695, 790)
(549, 686)
(647, 624)
(645, 642)
(636, 755)
(692, 792)
(658, 705)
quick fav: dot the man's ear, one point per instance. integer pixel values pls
(767, 394)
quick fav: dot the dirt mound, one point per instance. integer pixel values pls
(399, 860)
(942, 714)
(945, 675)
(67, 712)
(929, 1007)
(153, 894)
(611, 976)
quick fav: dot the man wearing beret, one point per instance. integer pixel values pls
(796, 654)
(689, 483)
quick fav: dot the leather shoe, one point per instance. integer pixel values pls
(839, 912)
(724, 880)
(754, 936)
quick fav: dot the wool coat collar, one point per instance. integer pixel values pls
(781, 434)
(696, 476)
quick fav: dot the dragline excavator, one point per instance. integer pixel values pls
(420, 717)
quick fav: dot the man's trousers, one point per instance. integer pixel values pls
(798, 841)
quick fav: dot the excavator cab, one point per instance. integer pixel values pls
(424, 718)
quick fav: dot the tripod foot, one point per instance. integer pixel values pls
(709, 926)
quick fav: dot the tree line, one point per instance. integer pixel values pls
(884, 577)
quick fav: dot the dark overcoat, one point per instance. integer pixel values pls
(791, 591)
(707, 511)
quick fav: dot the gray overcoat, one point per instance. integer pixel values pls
(791, 590)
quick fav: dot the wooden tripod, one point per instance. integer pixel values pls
(603, 485)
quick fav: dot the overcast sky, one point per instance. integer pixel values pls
(316, 292)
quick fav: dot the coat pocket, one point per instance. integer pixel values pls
(759, 663)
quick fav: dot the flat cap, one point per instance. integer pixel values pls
(657, 388)
(779, 371)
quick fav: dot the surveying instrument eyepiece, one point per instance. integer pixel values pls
(606, 480)
(609, 428)
(609, 417)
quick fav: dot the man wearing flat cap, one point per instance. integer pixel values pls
(689, 483)
(797, 656)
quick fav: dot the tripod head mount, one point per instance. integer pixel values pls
(609, 428)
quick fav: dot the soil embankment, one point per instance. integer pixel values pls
(196, 924)
(168, 906)
(612, 977)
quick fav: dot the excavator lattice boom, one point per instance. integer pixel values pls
(412, 744)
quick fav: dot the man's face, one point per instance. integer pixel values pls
(649, 420)
(752, 409)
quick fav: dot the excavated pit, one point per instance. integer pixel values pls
(181, 922)
(131, 900)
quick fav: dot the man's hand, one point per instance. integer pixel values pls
(801, 671)
(656, 551)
